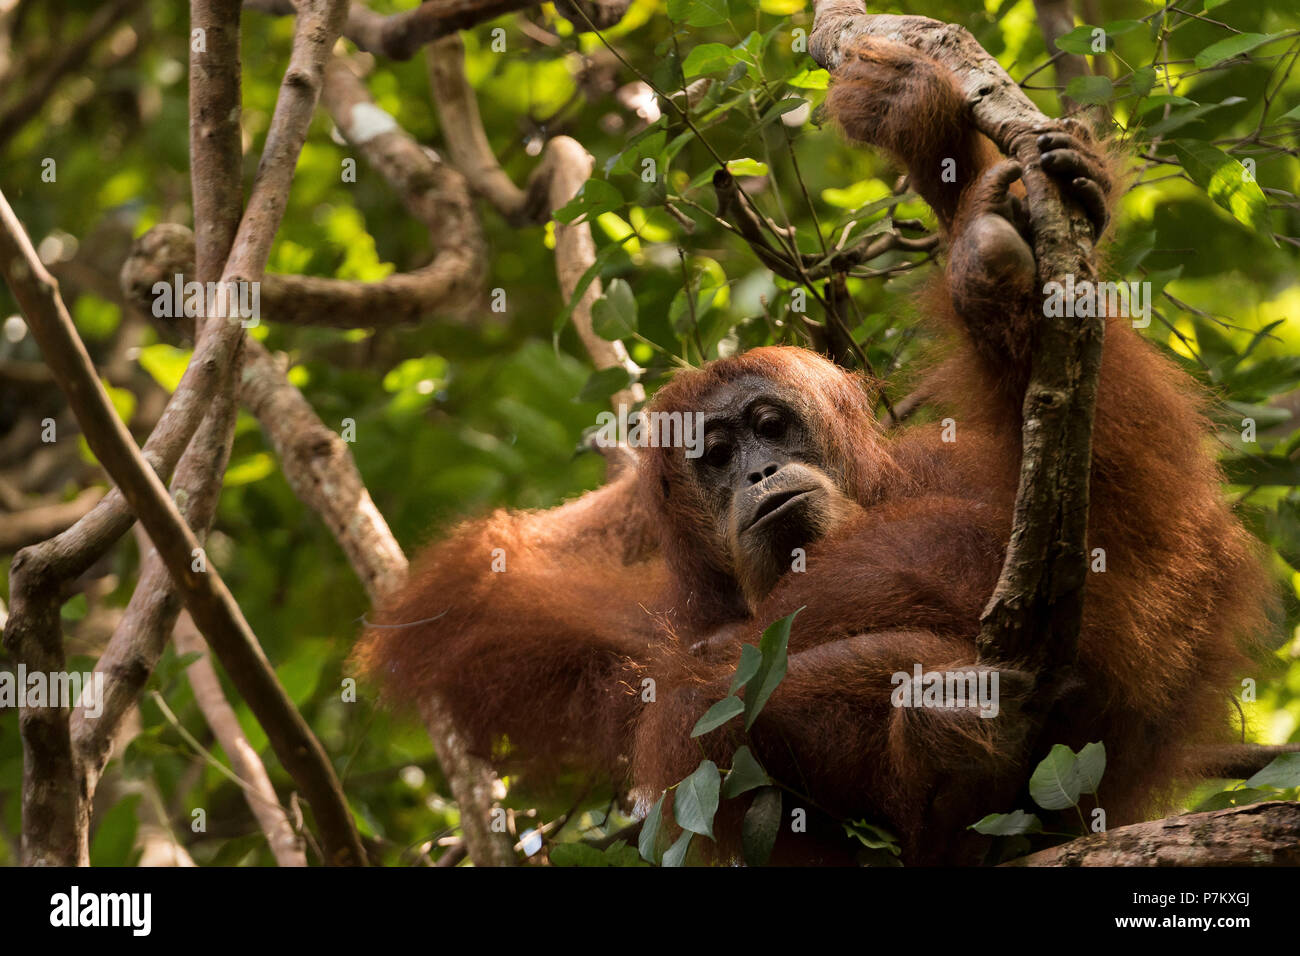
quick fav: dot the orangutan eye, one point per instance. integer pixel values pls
(718, 455)
(770, 425)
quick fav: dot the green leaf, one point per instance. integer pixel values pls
(750, 659)
(577, 854)
(872, 836)
(114, 840)
(807, 79)
(1090, 767)
(1008, 824)
(595, 197)
(1242, 796)
(771, 669)
(1262, 471)
(746, 167)
(1055, 785)
(781, 107)
(718, 714)
(696, 799)
(1180, 118)
(1227, 183)
(761, 825)
(1090, 89)
(165, 364)
(603, 383)
(698, 13)
(708, 58)
(1143, 81)
(617, 853)
(614, 315)
(746, 774)
(1283, 773)
(675, 855)
(1232, 46)
(650, 831)
(1080, 39)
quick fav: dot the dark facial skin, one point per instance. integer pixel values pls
(764, 479)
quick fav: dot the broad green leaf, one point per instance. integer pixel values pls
(614, 315)
(1090, 767)
(810, 79)
(1180, 118)
(781, 107)
(1054, 785)
(1080, 40)
(761, 825)
(746, 167)
(750, 658)
(872, 836)
(1227, 183)
(1008, 824)
(1090, 89)
(675, 855)
(165, 364)
(771, 669)
(1283, 773)
(650, 831)
(746, 774)
(1143, 81)
(577, 854)
(708, 58)
(1232, 46)
(595, 196)
(603, 383)
(1241, 797)
(717, 715)
(696, 799)
(698, 13)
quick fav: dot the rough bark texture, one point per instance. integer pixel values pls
(211, 604)
(1262, 834)
(1033, 616)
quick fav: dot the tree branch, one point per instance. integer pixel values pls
(1261, 834)
(1033, 617)
(209, 601)
(399, 36)
(286, 845)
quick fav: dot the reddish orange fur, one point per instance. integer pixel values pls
(615, 587)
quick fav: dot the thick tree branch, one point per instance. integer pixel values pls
(209, 601)
(1034, 614)
(1239, 761)
(21, 528)
(1261, 834)
(399, 36)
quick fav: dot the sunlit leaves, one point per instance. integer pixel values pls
(165, 364)
(1227, 183)
(595, 196)
(1232, 46)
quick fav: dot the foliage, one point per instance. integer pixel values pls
(455, 416)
